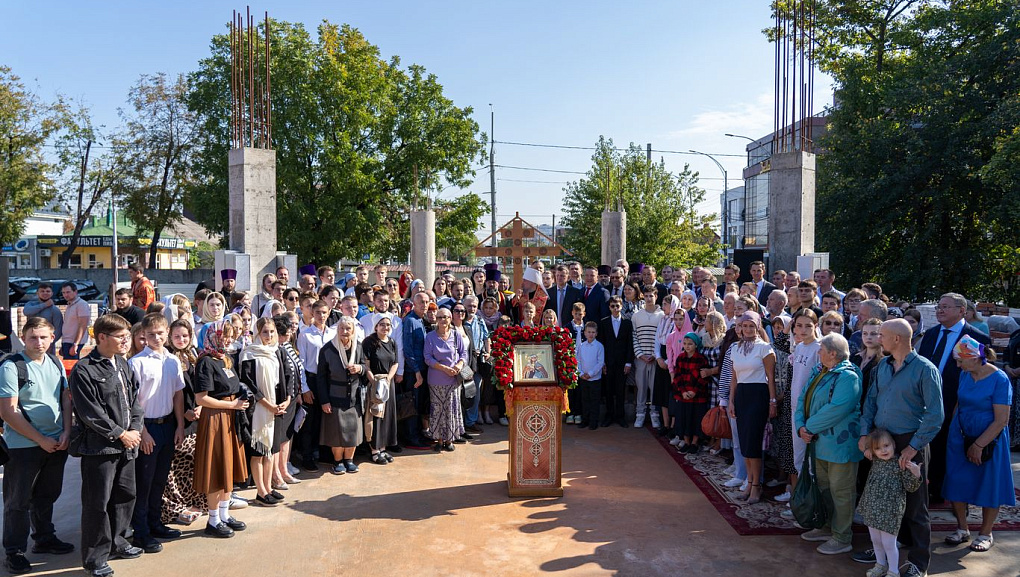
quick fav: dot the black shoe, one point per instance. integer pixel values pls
(474, 429)
(448, 447)
(129, 552)
(623, 423)
(467, 436)
(235, 524)
(149, 545)
(52, 546)
(276, 495)
(582, 424)
(104, 571)
(268, 501)
(17, 563)
(437, 447)
(309, 465)
(165, 532)
(867, 556)
(221, 530)
(605, 423)
(395, 449)
(459, 441)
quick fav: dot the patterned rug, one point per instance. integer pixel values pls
(707, 472)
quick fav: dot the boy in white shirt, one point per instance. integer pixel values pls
(161, 395)
(591, 362)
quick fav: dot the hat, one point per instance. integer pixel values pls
(968, 348)
(493, 274)
(228, 274)
(694, 337)
(491, 266)
(307, 269)
(605, 269)
(636, 268)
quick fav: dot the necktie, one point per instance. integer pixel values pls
(587, 292)
(940, 349)
(559, 303)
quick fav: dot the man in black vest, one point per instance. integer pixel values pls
(937, 346)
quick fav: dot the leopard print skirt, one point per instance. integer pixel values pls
(179, 495)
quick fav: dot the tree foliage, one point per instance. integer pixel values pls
(25, 124)
(156, 150)
(349, 129)
(917, 185)
(663, 227)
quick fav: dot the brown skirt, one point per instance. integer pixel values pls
(219, 456)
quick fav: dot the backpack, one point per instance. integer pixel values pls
(22, 368)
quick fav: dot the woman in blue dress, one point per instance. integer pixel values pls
(982, 412)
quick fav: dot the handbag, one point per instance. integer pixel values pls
(717, 424)
(811, 508)
(986, 452)
(466, 374)
(406, 408)
(470, 389)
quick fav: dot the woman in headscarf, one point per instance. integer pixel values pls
(212, 311)
(663, 387)
(219, 456)
(381, 353)
(752, 397)
(262, 370)
(445, 355)
(341, 380)
(532, 291)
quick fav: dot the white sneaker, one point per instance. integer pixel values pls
(786, 514)
(784, 498)
(656, 421)
(676, 442)
(730, 470)
(743, 487)
(504, 422)
(774, 483)
(292, 470)
(734, 482)
(639, 421)
(237, 502)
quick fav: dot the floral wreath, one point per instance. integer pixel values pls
(502, 351)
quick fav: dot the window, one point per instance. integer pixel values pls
(94, 261)
(75, 261)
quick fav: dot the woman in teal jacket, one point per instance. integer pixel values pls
(827, 416)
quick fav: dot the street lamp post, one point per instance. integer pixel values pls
(726, 199)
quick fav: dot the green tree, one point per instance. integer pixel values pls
(663, 226)
(915, 189)
(156, 151)
(88, 172)
(349, 129)
(25, 184)
(457, 223)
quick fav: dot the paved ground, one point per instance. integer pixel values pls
(628, 509)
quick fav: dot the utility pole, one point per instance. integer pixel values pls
(113, 249)
(492, 172)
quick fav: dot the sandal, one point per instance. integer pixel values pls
(387, 456)
(757, 498)
(957, 537)
(378, 459)
(188, 517)
(982, 543)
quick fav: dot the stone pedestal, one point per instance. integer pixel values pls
(252, 174)
(791, 208)
(535, 441)
(288, 261)
(423, 246)
(614, 236)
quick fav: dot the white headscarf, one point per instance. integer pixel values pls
(267, 373)
(532, 275)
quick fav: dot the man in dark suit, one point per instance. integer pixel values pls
(562, 295)
(763, 288)
(650, 283)
(594, 297)
(937, 346)
(617, 337)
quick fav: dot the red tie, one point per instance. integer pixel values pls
(587, 292)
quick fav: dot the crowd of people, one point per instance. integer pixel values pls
(183, 401)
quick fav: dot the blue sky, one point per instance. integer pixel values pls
(678, 74)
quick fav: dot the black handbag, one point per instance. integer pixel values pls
(986, 452)
(470, 389)
(405, 406)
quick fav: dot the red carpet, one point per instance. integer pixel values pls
(707, 472)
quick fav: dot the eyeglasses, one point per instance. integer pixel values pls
(614, 306)
(121, 338)
(459, 311)
(832, 323)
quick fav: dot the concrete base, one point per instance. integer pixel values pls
(614, 236)
(423, 246)
(252, 173)
(791, 208)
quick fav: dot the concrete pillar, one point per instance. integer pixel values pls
(252, 174)
(288, 261)
(423, 246)
(239, 261)
(791, 208)
(614, 236)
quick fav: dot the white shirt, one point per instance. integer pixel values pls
(749, 367)
(309, 342)
(591, 357)
(159, 377)
(757, 289)
(368, 326)
(954, 334)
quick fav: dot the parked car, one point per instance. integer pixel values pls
(28, 286)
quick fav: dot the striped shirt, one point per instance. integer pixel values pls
(645, 326)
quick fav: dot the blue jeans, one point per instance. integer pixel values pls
(472, 411)
(65, 350)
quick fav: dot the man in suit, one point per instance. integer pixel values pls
(594, 297)
(650, 283)
(763, 288)
(562, 295)
(937, 346)
(616, 278)
(617, 337)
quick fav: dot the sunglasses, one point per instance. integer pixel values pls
(459, 311)
(832, 323)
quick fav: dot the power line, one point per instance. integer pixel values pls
(568, 147)
(535, 181)
(540, 169)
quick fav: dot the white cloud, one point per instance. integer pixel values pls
(751, 118)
